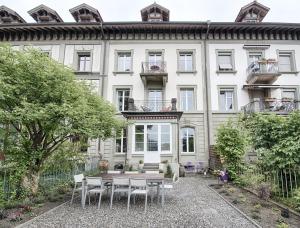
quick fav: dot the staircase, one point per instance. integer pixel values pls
(151, 166)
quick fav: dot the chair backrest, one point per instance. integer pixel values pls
(121, 181)
(152, 172)
(131, 172)
(78, 178)
(175, 178)
(138, 182)
(94, 181)
(114, 171)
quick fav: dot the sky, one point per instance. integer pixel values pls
(180, 10)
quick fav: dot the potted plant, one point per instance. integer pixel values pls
(141, 165)
(103, 166)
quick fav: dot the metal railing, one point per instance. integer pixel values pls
(271, 105)
(259, 67)
(154, 67)
(152, 106)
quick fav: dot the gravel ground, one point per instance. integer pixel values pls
(190, 204)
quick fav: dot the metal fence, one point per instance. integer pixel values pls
(282, 181)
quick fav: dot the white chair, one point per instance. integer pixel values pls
(94, 186)
(152, 172)
(113, 171)
(77, 180)
(169, 186)
(138, 187)
(119, 185)
(131, 172)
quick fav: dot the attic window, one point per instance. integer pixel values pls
(155, 16)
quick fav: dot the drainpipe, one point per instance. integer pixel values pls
(206, 83)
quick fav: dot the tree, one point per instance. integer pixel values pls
(41, 101)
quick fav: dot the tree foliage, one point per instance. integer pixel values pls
(231, 144)
(44, 106)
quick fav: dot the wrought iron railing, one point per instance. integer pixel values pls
(271, 105)
(153, 106)
(269, 66)
(154, 67)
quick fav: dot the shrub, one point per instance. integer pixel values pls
(169, 173)
(249, 178)
(264, 190)
(296, 199)
(282, 225)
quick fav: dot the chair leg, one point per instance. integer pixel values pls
(73, 194)
(111, 198)
(128, 202)
(134, 199)
(99, 204)
(146, 198)
(89, 198)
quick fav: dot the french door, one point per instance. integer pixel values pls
(155, 99)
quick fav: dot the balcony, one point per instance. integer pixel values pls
(154, 72)
(152, 109)
(263, 71)
(271, 105)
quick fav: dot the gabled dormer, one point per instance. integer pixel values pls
(155, 12)
(44, 14)
(85, 13)
(9, 16)
(253, 12)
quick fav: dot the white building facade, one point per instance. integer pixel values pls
(175, 82)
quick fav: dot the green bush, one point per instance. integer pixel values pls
(249, 178)
(168, 173)
(296, 199)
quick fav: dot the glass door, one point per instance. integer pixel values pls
(155, 60)
(155, 100)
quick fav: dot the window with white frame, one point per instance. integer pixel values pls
(187, 140)
(289, 93)
(226, 99)
(254, 56)
(187, 99)
(123, 96)
(225, 61)
(124, 62)
(185, 61)
(152, 137)
(84, 62)
(286, 61)
(121, 142)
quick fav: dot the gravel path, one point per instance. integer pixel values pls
(190, 204)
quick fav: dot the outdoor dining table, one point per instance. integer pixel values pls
(108, 178)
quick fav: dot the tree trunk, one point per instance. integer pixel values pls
(31, 182)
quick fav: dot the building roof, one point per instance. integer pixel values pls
(84, 11)
(37, 15)
(7, 15)
(255, 7)
(155, 8)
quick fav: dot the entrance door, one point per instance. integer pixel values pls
(155, 100)
(152, 153)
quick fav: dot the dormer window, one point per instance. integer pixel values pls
(9, 16)
(253, 13)
(44, 14)
(85, 13)
(154, 13)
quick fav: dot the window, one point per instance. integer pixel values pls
(226, 99)
(155, 61)
(122, 99)
(225, 61)
(289, 94)
(124, 62)
(254, 56)
(185, 62)
(121, 142)
(155, 101)
(152, 137)
(187, 99)
(286, 61)
(187, 140)
(84, 61)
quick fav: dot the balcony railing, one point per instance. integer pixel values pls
(154, 67)
(152, 105)
(262, 71)
(280, 106)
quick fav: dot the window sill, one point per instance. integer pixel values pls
(289, 72)
(119, 154)
(186, 72)
(82, 72)
(188, 153)
(226, 71)
(137, 154)
(122, 72)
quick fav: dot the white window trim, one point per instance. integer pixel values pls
(76, 60)
(122, 136)
(193, 87)
(145, 138)
(116, 70)
(232, 88)
(181, 51)
(293, 61)
(123, 98)
(115, 93)
(181, 144)
(229, 51)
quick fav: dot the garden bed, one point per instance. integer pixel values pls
(18, 213)
(265, 213)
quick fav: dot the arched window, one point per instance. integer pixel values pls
(187, 140)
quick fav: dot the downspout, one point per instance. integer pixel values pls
(207, 84)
